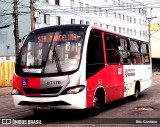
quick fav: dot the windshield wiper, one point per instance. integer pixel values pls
(55, 58)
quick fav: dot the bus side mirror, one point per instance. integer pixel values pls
(23, 39)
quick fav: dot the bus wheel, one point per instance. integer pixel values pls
(95, 110)
(136, 94)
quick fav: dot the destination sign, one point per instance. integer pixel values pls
(57, 37)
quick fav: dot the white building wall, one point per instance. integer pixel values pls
(155, 42)
(66, 13)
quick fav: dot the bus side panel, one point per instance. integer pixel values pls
(133, 73)
(93, 82)
(114, 82)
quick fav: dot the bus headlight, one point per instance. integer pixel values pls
(75, 90)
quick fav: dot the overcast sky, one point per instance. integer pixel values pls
(153, 8)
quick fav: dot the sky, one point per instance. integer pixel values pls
(153, 9)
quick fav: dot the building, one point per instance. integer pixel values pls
(127, 17)
(155, 42)
(7, 41)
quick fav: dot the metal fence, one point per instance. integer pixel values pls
(6, 71)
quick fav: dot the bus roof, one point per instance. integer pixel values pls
(75, 27)
(105, 30)
(60, 27)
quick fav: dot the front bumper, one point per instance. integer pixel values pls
(68, 101)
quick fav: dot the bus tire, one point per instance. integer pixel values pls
(136, 94)
(98, 104)
(95, 109)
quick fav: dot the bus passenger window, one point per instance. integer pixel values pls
(145, 58)
(112, 56)
(145, 53)
(123, 46)
(136, 58)
(112, 53)
(135, 52)
(125, 57)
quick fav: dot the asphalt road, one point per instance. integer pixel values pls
(120, 113)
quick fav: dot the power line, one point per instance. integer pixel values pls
(6, 26)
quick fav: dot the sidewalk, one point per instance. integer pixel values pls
(5, 91)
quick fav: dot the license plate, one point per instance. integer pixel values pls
(43, 107)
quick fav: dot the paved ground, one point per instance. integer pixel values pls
(146, 107)
(5, 91)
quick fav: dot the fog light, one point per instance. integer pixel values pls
(15, 92)
(75, 90)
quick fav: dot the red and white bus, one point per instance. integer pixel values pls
(79, 67)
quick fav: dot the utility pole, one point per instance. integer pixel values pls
(32, 15)
(16, 29)
(149, 30)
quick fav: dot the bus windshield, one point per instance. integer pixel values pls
(51, 52)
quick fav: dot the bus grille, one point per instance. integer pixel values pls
(42, 91)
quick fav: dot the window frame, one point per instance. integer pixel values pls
(57, 2)
(73, 21)
(47, 19)
(135, 55)
(145, 53)
(124, 51)
(93, 63)
(58, 20)
(111, 51)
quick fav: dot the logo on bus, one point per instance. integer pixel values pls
(129, 72)
(26, 70)
(25, 82)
